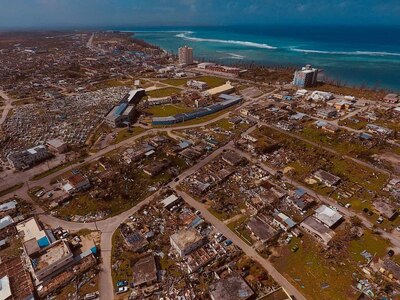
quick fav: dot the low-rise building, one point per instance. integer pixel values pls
(385, 209)
(317, 229)
(34, 238)
(51, 259)
(283, 221)
(326, 178)
(186, 241)
(76, 183)
(391, 98)
(231, 287)
(200, 85)
(57, 146)
(8, 208)
(16, 282)
(327, 113)
(232, 158)
(327, 216)
(170, 201)
(223, 89)
(145, 271)
(25, 159)
(261, 230)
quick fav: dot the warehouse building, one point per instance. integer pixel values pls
(227, 101)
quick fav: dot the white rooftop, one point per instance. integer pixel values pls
(5, 290)
(5, 222)
(327, 215)
(170, 199)
(30, 230)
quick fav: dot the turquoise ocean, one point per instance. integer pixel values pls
(357, 56)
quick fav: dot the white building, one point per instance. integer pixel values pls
(185, 55)
(186, 241)
(197, 84)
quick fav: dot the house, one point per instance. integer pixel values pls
(5, 222)
(16, 282)
(321, 96)
(145, 271)
(51, 259)
(230, 287)
(392, 268)
(134, 240)
(8, 208)
(232, 158)
(261, 230)
(391, 98)
(343, 104)
(156, 167)
(327, 216)
(317, 229)
(303, 202)
(385, 209)
(170, 201)
(285, 125)
(327, 113)
(76, 183)
(283, 221)
(186, 241)
(378, 129)
(34, 238)
(326, 178)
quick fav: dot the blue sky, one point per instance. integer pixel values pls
(84, 13)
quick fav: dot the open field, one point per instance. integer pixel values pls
(164, 92)
(317, 275)
(127, 133)
(167, 110)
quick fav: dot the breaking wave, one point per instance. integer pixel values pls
(369, 53)
(185, 35)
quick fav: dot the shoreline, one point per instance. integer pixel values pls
(332, 76)
(285, 72)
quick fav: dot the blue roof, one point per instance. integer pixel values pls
(120, 109)
(300, 192)
(43, 242)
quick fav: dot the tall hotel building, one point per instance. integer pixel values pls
(185, 55)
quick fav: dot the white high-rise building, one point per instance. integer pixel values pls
(186, 55)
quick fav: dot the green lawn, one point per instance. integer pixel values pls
(212, 81)
(164, 92)
(312, 274)
(167, 110)
(176, 81)
(127, 133)
(373, 243)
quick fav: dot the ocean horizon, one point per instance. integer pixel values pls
(351, 55)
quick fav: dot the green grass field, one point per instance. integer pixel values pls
(212, 81)
(164, 92)
(167, 110)
(126, 134)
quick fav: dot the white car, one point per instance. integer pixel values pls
(122, 290)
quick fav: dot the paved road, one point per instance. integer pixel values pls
(221, 227)
(392, 237)
(8, 106)
(330, 150)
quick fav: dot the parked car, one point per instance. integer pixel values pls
(294, 248)
(227, 243)
(380, 220)
(390, 253)
(122, 290)
(348, 205)
(122, 283)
